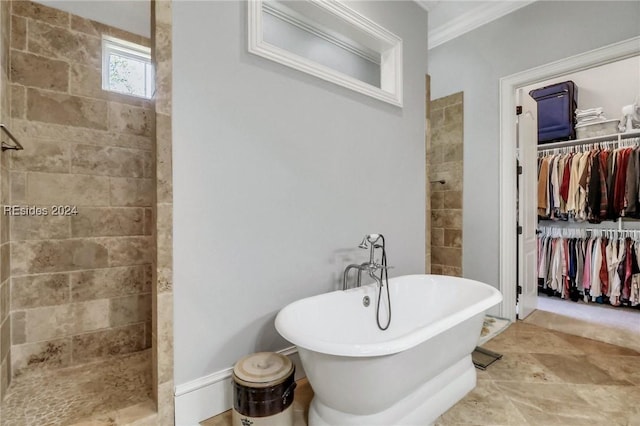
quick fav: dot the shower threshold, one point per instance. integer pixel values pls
(115, 391)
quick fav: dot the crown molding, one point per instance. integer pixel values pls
(472, 19)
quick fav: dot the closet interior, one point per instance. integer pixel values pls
(589, 200)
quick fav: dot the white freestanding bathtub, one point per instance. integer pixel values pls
(407, 375)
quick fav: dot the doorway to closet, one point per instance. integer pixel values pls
(607, 78)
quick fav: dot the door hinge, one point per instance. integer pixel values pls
(519, 110)
(519, 170)
(519, 289)
(519, 230)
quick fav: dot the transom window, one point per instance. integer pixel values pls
(126, 68)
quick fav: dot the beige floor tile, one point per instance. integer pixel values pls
(521, 368)
(620, 367)
(551, 404)
(530, 339)
(594, 347)
(577, 369)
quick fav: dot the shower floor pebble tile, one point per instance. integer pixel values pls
(111, 392)
(545, 378)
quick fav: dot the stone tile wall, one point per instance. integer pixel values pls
(445, 162)
(161, 23)
(5, 283)
(81, 284)
(427, 139)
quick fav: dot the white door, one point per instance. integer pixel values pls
(527, 204)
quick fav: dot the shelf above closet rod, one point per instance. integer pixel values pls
(613, 137)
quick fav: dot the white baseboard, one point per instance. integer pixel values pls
(211, 395)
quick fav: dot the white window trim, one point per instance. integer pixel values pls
(129, 50)
(390, 89)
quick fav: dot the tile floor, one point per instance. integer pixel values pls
(106, 393)
(545, 378)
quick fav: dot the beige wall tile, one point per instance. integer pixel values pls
(447, 256)
(164, 176)
(43, 156)
(40, 290)
(453, 114)
(40, 12)
(131, 192)
(54, 353)
(165, 279)
(447, 218)
(87, 81)
(164, 335)
(34, 129)
(130, 119)
(437, 238)
(31, 257)
(452, 271)
(453, 152)
(18, 335)
(5, 253)
(18, 32)
(4, 227)
(66, 109)
(5, 337)
(111, 282)
(130, 310)
(437, 118)
(39, 227)
(18, 187)
(107, 161)
(126, 251)
(453, 238)
(108, 221)
(5, 299)
(18, 101)
(166, 407)
(149, 224)
(122, 340)
(446, 101)
(164, 237)
(437, 199)
(79, 190)
(61, 43)
(98, 29)
(453, 200)
(51, 322)
(38, 71)
(163, 84)
(5, 376)
(450, 134)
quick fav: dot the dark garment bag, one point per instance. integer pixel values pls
(556, 111)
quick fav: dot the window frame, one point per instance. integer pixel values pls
(133, 51)
(389, 46)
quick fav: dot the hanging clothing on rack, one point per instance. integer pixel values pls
(598, 268)
(590, 182)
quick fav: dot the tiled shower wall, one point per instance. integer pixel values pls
(161, 29)
(5, 113)
(445, 163)
(80, 283)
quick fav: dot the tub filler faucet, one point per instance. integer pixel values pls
(371, 267)
(370, 242)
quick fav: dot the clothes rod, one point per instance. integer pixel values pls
(5, 146)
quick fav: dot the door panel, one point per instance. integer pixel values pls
(528, 200)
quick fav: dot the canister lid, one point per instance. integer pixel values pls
(262, 369)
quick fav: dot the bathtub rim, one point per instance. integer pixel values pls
(400, 343)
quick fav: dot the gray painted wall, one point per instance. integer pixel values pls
(277, 176)
(543, 32)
